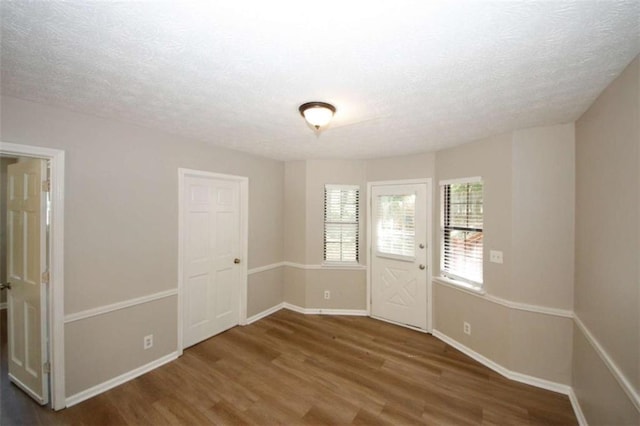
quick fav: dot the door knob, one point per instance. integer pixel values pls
(422, 266)
(421, 246)
(236, 260)
(7, 286)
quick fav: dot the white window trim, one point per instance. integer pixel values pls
(333, 264)
(449, 278)
(463, 285)
(473, 179)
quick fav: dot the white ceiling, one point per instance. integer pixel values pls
(405, 76)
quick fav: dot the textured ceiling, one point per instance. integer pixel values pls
(405, 76)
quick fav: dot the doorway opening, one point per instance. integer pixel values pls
(34, 195)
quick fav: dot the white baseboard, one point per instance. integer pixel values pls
(265, 313)
(305, 311)
(582, 420)
(116, 381)
(518, 377)
(3, 305)
(321, 311)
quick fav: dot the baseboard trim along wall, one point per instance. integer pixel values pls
(265, 313)
(513, 375)
(303, 266)
(305, 311)
(116, 381)
(622, 380)
(518, 377)
(119, 305)
(582, 420)
(322, 311)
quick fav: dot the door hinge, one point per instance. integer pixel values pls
(45, 278)
(46, 185)
(46, 367)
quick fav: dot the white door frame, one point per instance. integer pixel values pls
(244, 235)
(55, 289)
(429, 211)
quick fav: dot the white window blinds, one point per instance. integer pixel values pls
(396, 227)
(341, 228)
(462, 224)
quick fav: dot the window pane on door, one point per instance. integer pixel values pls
(395, 231)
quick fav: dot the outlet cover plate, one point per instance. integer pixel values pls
(495, 256)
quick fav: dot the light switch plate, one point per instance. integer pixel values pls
(495, 256)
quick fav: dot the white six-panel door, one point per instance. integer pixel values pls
(26, 262)
(211, 255)
(399, 254)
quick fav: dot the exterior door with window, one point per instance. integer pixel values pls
(399, 261)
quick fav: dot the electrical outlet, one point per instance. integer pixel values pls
(466, 327)
(327, 294)
(495, 256)
(147, 342)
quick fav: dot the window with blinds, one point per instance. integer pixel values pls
(462, 219)
(341, 228)
(396, 227)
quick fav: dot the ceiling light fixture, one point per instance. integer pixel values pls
(317, 114)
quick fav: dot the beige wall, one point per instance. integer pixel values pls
(491, 159)
(601, 399)
(121, 225)
(607, 263)
(348, 289)
(540, 345)
(416, 166)
(337, 172)
(489, 322)
(522, 190)
(543, 216)
(304, 235)
(295, 286)
(295, 212)
(266, 290)
(100, 348)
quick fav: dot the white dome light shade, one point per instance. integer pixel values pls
(317, 114)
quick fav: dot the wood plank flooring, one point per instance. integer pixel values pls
(290, 369)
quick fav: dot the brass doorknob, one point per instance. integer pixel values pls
(422, 266)
(7, 286)
(236, 260)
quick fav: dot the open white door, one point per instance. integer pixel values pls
(399, 260)
(211, 257)
(26, 264)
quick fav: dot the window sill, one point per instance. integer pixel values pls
(460, 285)
(342, 265)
